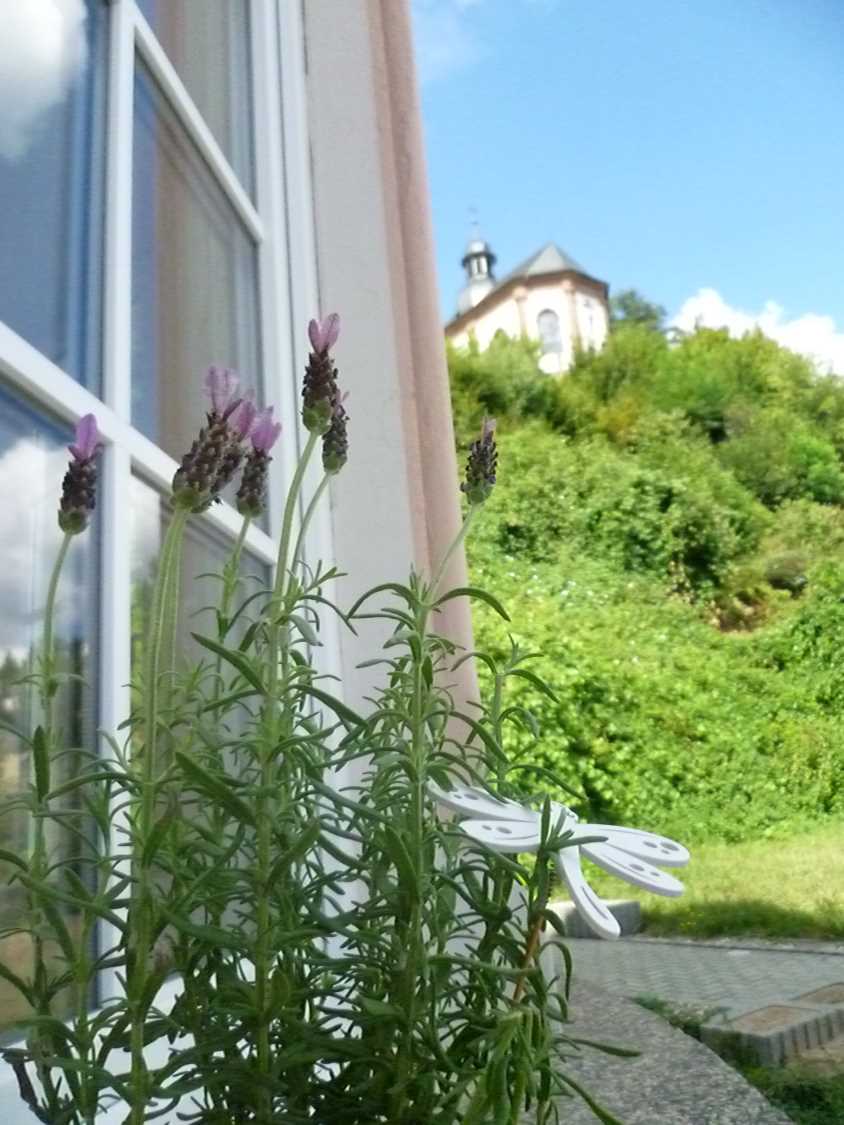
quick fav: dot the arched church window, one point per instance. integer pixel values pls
(548, 324)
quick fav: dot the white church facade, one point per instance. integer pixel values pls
(549, 298)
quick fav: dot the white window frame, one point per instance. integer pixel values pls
(281, 222)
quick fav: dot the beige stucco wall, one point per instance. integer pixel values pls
(396, 503)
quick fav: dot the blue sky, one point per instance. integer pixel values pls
(689, 148)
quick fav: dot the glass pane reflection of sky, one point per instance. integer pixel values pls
(52, 91)
(33, 457)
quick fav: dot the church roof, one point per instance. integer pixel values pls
(550, 259)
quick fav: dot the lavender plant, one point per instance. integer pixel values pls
(341, 954)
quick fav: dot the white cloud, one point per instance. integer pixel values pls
(812, 335)
(445, 44)
(31, 476)
(448, 40)
(42, 50)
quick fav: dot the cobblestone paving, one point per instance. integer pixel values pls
(736, 979)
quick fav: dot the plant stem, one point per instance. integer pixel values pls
(38, 863)
(263, 957)
(456, 542)
(287, 521)
(141, 905)
(306, 519)
(231, 573)
(47, 686)
(231, 580)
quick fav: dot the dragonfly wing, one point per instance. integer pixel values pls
(504, 835)
(468, 801)
(642, 845)
(633, 870)
(592, 909)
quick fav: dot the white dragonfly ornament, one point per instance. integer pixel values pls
(628, 853)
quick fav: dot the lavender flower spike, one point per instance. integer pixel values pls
(80, 481)
(482, 465)
(335, 441)
(265, 432)
(88, 441)
(243, 417)
(252, 494)
(319, 389)
(221, 386)
(323, 333)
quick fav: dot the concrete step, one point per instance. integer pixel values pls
(627, 912)
(778, 1032)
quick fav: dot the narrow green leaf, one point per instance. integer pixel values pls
(396, 848)
(606, 1048)
(233, 657)
(306, 630)
(340, 709)
(403, 592)
(156, 836)
(16, 982)
(603, 1115)
(295, 852)
(536, 681)
(41, 759)
(475, 592)
(381, 1010)
(212, 785)
(15, 860)
(213, 935)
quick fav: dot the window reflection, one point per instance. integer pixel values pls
(194, 282)
(204, 555)
(32, 462)
(52, 89)
(208, 43)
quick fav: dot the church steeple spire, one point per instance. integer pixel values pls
(478, 262)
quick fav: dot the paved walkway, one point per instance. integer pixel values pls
(734, 979)
(675, 1081)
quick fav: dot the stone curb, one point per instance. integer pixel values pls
(778, 1032)
(627, 912)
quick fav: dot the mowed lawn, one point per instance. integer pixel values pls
(776, 888)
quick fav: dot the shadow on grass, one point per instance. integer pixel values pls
(742, 918)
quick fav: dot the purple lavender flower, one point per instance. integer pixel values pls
(221, 385)
(88, 441)
(482, 465)
(335, 441)
(80, 481)
(242, 418)
(323, 333)
(252, 494)
(319, 390)
(216, 454)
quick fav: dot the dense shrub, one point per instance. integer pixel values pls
(668, 532)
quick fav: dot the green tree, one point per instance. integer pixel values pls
(629, 307)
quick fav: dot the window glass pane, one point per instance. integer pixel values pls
(32, 463)
(207, 42)
(52, 85)
(194, 282)
(205, 553)
(548, 324)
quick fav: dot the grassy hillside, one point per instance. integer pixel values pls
(667, 533)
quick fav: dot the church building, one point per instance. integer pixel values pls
(549, 297)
